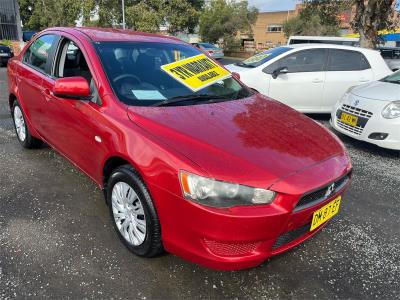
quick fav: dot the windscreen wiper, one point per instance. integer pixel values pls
(200, 97)
(241, 64)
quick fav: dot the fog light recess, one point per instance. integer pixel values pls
(378, 136)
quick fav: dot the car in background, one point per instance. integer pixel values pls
(211, 49)
(28, 35)
(310, 77)
(334, 40)
(371, 112)
(392, 57)
(5, 54)
(190, 159)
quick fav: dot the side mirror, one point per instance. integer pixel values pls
(281, 70)
(72, 88)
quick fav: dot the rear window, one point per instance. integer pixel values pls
(347, 60)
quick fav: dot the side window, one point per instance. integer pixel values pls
(71, 62)
(312, 60)
(347, 60)
(38, 53)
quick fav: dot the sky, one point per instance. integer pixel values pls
(273, 5)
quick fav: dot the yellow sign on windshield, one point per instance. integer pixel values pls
(196, 72)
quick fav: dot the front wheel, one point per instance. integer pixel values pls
(24, 136)
(133, 213)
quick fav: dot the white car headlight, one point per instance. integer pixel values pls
(392, 110)
(347, 94)
(215, 193)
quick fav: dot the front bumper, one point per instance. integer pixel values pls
(244, 236)
(374, 124)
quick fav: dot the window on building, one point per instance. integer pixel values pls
(274, 28)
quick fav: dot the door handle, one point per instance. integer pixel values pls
(317, 80)
(363, 79)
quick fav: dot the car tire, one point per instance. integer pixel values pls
(21, 129)
(131, 207)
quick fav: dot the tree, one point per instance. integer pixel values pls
(224, 19)
(372, 16)
(313, 26)
(317, 17)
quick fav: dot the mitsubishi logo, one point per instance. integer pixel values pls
(330, 190)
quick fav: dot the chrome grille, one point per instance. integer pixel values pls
(357, 130)
(357, 111)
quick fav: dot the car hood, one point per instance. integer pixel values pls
(253, 141)
(378, 90)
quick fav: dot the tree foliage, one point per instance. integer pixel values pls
(224, 19)
(39, 14)
(372, 16)
(321, 17)
(141, 15)
(317, 17)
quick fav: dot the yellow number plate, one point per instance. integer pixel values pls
(325, 213)
(349, 119)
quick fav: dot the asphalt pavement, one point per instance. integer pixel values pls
(57, 240)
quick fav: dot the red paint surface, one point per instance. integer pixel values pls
(254, 141)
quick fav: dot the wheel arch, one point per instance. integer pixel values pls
(11, 99)
(114, 162)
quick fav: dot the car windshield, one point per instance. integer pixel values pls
(263, 57)
(134, 70)
(393, 78)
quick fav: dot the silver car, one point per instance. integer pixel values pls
(211, 49)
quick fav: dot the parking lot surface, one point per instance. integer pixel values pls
(57, 240)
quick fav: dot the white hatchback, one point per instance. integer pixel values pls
(310, 77)
(371, 112)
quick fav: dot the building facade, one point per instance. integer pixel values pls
(10, 21)
(267, 31)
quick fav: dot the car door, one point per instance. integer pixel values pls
(345, 68)
(34, 68)
(78, 129)
(301, 87)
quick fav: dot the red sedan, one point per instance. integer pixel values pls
(191, 161)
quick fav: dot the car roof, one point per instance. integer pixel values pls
(331, 46)
(118, 35)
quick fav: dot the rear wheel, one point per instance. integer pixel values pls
(24, 136)
(133, 213)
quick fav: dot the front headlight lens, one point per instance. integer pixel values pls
(346, 94)
(215, 193)
(392, 110)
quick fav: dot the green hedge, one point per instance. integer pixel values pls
(6, 42)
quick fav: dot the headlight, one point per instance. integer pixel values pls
(216, 193)
(392, 110)
(347, 94)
